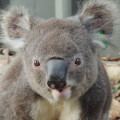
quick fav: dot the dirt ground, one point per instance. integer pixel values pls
(115, 108)
(113, 69)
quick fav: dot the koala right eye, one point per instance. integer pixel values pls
(78, 61)
(36, 63)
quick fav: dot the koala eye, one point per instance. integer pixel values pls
(36, 63)
(78, 61)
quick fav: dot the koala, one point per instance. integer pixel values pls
(57, 73)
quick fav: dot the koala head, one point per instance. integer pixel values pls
(59, 55)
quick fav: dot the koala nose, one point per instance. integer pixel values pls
(57, 72)
(56, 85)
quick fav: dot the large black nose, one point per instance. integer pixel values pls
(57, 72)
(56, 84)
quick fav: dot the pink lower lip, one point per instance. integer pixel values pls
(61, 91)
(63, 94)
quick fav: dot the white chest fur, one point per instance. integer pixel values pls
(67, 110)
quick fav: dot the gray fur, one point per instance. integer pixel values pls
(24, 94)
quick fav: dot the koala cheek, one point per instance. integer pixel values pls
(71, 82)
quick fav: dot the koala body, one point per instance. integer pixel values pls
(57, 74)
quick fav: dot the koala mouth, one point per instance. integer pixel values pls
(62, 90)
(64, 93)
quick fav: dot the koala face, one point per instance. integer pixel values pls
(59, 55)
(57, 67)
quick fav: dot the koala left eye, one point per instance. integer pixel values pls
(36, 63)
(78, 61)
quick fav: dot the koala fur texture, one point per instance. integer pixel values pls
(57, 74)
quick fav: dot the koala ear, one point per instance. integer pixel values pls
(15, 25)
(99, 15)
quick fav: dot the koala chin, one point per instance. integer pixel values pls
(57, 73)
(65, 94)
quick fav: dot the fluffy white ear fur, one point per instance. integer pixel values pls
(15, 25)
(14, 44)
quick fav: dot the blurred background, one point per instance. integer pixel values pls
(60, 9)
